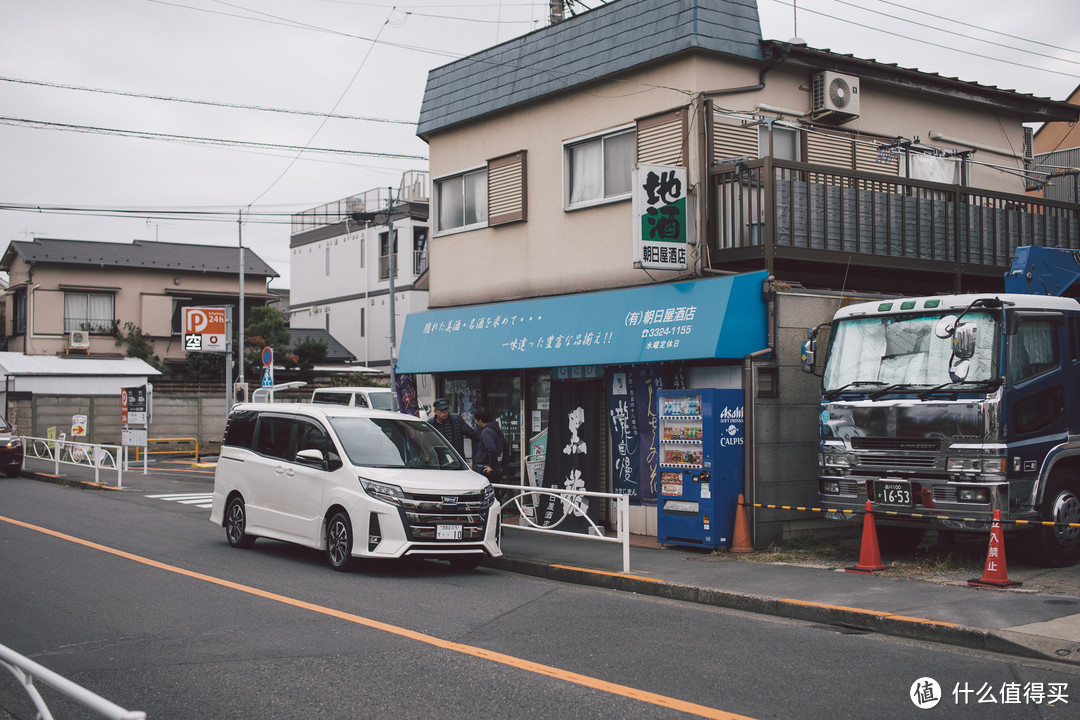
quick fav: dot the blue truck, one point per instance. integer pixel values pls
(939, 410)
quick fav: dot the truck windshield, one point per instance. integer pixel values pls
(902, 351)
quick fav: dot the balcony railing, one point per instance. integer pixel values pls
(771, 209)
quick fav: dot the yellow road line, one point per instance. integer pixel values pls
(875, 613)
(509, 660)
(604, 572)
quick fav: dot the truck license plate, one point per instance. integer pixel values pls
(893, 493)
(447, 532)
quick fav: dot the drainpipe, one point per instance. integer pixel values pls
(749, 396)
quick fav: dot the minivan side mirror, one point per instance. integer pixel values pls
(311, 457)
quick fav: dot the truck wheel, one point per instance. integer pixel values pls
(899, 540)
(1059, 546)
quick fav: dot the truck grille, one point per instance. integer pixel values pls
(906, 444)
(897, 462)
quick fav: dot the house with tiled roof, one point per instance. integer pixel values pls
(652, 194)
(66, 297)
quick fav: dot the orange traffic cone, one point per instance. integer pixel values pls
(741, 542)
(869, 554)
(995, 574)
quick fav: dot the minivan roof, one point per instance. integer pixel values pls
(350, 389)
(322, 410)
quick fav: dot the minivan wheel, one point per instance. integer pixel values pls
(339, 542)
(236, 524)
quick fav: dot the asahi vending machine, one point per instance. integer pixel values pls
(700, 466)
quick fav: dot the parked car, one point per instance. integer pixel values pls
(356, 483)
(11, 449)
(367, 397)
(371, 397)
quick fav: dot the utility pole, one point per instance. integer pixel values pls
(240, 235)
(393, 271)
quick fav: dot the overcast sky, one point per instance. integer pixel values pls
(365, 60)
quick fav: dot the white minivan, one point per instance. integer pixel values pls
(353, 482)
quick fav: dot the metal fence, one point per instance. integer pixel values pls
(67, 452)
(26, 671)
(525, 499)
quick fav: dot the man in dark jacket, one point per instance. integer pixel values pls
(491, 456)
(452, 427)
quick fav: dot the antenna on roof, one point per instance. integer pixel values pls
(796, 40)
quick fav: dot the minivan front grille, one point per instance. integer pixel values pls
(423, 514)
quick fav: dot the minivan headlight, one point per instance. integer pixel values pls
(383, 491)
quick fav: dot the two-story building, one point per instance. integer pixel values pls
(788, 178)
(68, 297)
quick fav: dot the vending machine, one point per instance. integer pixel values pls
(700, 466)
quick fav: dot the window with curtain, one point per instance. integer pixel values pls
(599, 169)
(461, 201)
(88, 311)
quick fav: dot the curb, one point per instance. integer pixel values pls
(871, 621)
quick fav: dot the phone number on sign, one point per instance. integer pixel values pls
(663, 332)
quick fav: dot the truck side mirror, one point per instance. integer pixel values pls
(809, 351)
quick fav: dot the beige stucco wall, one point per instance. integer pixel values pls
(557, 251)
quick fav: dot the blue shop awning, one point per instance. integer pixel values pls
(721, 317)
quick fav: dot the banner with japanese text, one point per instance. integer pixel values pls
(573, 454)
(622, 420)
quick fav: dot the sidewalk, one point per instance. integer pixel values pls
(1016, 621)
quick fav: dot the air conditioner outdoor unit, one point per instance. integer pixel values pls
(834, 98)
(79, 339)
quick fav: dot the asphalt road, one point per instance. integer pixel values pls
(140, 599)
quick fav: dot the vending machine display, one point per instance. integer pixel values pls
(700, 466)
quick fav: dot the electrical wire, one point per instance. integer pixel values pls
(145, 135)
(234, 106)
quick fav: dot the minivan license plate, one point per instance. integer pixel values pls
(447, 532)
(893, 493)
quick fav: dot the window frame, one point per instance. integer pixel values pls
(92, 329)
(568, 170)
(437, 185)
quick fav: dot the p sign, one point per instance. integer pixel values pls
(204, 321)
(206, 329)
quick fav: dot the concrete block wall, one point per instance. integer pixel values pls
(187, 415)
(786, 427)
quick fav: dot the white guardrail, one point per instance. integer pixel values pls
(67, 452)
(574, 504)
(26, 670)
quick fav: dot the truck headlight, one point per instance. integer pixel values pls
(833, 460)
(963, 464)
(831, 487)
(383, 491)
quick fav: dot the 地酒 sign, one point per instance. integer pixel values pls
(661, 220)
(206, 329)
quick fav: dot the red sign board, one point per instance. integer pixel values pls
(205, 329)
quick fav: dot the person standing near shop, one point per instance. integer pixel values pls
(491, 455)
(452, 427)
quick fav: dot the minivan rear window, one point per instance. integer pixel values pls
(240, 429)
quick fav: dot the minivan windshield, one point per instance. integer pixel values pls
(388, 443)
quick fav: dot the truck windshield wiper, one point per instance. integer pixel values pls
(830, 394)
(886, 390)
(991, 384)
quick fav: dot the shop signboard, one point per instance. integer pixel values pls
(661, 222)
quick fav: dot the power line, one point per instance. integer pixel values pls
(926, 42)
(949, 32)
(235, 106)
(194, 139)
